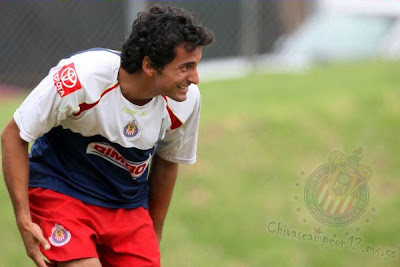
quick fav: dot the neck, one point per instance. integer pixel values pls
(135, 87)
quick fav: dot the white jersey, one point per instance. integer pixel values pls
(91, 142)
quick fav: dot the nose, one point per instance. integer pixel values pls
(194, 76)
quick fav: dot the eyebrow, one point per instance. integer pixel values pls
(188, 63)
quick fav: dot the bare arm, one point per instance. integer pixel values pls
(161, 181)
(16, 173)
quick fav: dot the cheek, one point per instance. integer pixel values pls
(179, 75)
(175, 80)
(170, 81)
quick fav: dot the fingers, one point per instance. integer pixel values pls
(39, 261)
(36, 256)
(33, 237)
(38, 234)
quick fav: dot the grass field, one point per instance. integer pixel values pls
(261, 138)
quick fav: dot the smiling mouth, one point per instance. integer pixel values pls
(182, 87)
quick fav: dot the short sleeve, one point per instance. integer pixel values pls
(49, 103)
(180, 145)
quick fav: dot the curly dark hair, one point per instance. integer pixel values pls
(156, 33)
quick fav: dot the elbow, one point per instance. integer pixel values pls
(4, 135)
(11, 131)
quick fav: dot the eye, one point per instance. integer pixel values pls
(186, 67)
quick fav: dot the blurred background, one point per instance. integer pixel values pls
(272, 35)
(36, 35)
(285, 84)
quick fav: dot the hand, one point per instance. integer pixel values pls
(32, 236)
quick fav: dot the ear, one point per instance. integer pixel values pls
(147, 66)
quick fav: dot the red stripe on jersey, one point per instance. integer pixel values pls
(85, 106)
(175, 122)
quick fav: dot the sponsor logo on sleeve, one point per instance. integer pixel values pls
(66, 80)
(109, 153)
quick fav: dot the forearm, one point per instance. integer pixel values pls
(16, 171)
(161, 181)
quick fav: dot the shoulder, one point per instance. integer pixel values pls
(183, 110)
(94, 56)
(93, 68)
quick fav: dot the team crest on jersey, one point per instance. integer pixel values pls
(59, 236)
(131, 131)
(66, 80)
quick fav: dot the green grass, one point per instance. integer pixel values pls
(259, 137)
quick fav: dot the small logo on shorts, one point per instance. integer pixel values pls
(59, 236)
(131, 131)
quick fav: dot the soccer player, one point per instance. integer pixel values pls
(86, 195)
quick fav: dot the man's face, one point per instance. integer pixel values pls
(174, 79)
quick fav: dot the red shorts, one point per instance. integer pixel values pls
(75, 230)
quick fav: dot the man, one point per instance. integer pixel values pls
(86, 195)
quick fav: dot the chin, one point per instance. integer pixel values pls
(179, 98)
